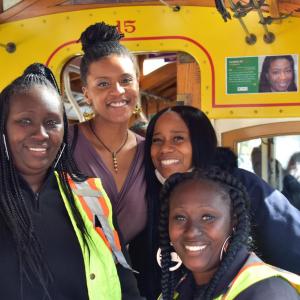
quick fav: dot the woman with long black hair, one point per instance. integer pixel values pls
(57, 235)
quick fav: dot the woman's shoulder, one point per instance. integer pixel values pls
(275, 288)
(247, 175)
(77, 134)
(253, 182)
(140, 144)
(140, 139)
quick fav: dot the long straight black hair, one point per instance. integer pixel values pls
(204, 144)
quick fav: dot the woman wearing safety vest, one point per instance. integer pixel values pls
(204, 236)
(56, 230)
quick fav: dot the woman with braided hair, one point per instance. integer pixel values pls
(179, 139)
(104, 146)
(204, 218)
(54, 243)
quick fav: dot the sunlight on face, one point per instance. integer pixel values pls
(171, 149)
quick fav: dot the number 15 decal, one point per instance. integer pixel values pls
(127, 26)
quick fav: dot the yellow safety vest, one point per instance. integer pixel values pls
(104, 247)
(253, 271)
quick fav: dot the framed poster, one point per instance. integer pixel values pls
(262, 74)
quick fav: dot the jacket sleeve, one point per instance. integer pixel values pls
(127, 279)
(275, 288)
(291, 183)
(275, 223)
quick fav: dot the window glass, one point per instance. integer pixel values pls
(269, 157)
(9, 3)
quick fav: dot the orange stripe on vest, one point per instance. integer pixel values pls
(101, 200)
(90, 215)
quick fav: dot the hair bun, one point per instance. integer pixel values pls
(36, 69)
(40, 70)
(99, 33)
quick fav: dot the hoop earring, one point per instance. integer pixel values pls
(174, 258)
(224, 247)
(5, 146)
(59, 155)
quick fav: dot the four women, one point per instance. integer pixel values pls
(46, 210)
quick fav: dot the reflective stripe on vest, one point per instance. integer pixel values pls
(100, 268)
(94, 201)
(254, 271)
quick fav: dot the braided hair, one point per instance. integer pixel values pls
(98, 41)
(225, 183)
(14, 213)
(204, 143)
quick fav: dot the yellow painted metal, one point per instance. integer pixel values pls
(199, 31)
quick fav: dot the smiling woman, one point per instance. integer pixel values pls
(50, 248)
(35, 131)
(166, 135)
(204, 218)
(104, 146)
(278, 74)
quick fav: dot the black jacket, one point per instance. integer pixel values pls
(291, 189)
(275, 228)
(60, 249)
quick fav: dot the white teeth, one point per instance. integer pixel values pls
(117, 104)
(168, 162)
(195, 248)
(38, 149)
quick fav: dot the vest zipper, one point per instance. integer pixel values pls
(37, 201)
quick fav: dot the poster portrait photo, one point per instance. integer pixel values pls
(278, 74)
(262, 74)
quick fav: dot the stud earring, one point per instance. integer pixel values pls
(137, 110)
(89, 112)
(88, 115)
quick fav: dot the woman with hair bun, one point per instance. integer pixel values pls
(57, 235)
(104, 146)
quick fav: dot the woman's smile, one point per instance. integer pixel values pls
(35, 130)
(171, 149)
(112, 88)
(199, 222)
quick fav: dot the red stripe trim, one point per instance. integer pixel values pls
(57, 50)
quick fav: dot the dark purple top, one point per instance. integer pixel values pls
(129, 205)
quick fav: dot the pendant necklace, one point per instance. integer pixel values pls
(113, 153)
